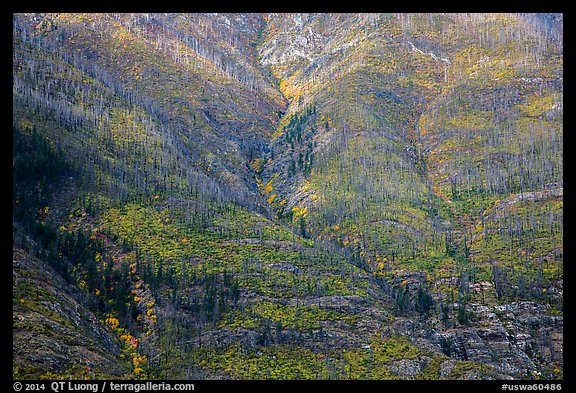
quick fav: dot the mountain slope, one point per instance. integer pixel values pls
(286, 196)
(54, 333)
(171, 101)
(420, 129)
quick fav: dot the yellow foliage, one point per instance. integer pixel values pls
(297, 211)
(125, 337)
(113, 322)
(268, 187)
(138, 360)
(271, 198)
(536, 105)
(470, 120)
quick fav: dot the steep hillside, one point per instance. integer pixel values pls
(392, 132)
(287, 196)
(409, 140)
(156, 105)
(54, 332)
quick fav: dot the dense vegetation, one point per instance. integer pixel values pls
(289, 196)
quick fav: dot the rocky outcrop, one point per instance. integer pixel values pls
(53, 331)
(519, 339)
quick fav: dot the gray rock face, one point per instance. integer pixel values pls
(518, 339)
(407, 368)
